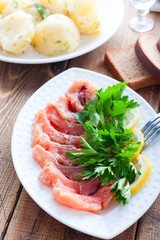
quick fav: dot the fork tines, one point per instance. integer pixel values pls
(151, 130)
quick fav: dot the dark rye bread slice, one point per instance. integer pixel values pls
(148, 54)
(124, 65)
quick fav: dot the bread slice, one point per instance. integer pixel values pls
(124, 65)
(148, 54)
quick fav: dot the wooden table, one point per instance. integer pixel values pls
(20, 217)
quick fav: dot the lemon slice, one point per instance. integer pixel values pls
(131, 118)
(142, 164)
(138, 137)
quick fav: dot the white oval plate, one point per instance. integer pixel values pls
(111, 14)
(116, 218)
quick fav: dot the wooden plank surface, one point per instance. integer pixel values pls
(20, 216)
(17, 83)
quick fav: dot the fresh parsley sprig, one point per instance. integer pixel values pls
(109, 146)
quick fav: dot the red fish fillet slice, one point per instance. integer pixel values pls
(61, 185)
(51, 174)
(41, 138)
(89, 187)
(74, 101)
(64, 126)
(86, 187)
(41, 156)
(79, 85)
(76, 201)
(76, 97)
(80, 93)
(43, 122)
(71, 172)
(105, 195)
(64, 109)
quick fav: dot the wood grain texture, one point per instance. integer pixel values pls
(39, 225)
(149, 224)
(17, 84)
(20, 217)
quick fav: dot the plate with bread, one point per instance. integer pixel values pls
(138, 63)
(51, 31)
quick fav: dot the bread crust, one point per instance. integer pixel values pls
(158, 44)
(146, 61)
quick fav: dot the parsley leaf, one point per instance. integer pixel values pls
(109, 146)
(122, 191)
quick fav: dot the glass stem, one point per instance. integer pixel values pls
(142, 13)
(141, 19)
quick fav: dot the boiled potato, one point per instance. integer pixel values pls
(84, 14)
(17, 31)
(55, 6)
(70, 4)
(25, 5)
(56, 35)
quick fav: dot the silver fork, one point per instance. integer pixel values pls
(151, 130)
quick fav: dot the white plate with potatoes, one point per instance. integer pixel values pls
(70, 30)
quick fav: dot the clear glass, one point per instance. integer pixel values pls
(142, 23)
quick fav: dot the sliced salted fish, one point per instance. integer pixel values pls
(78, 94)
(39, 137)
(74, 101)
(63, 149)
(61, 185)
(43, 122)
(71, 172)
(63, 125)
(84, 92)
(76, 201)
(64, 109)
(57, 132)
(89, 187)
(68, 193)
(86, 187)
(42, 156)
(42, 139)
(81, 85)
(105, 195)
(51, 174)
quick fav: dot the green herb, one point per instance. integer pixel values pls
(59, 41)
(67, 46)
(15, 4)
(109, 146)
(44, 12)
